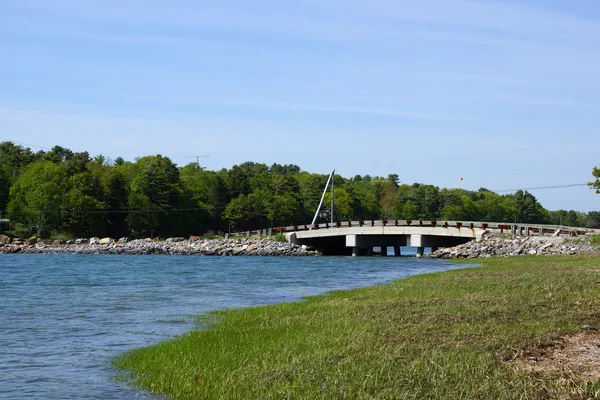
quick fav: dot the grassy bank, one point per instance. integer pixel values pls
(446, 335)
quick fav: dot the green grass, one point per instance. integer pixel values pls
(595, 240)
(436, 336)
(59, 235)
(279, 237)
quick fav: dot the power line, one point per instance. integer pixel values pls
(24, 144)
(542, 188)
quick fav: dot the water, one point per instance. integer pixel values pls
(64, 317)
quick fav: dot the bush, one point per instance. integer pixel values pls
(280, 237)
(61, 235)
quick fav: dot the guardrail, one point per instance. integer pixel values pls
(540, 229)
(498, 227)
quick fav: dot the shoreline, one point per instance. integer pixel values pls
(173, 246)
(434, 335)
(491, 246)
(494, 246)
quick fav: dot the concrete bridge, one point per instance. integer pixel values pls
(359, 237)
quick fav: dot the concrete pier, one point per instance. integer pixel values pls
(384, 251)
(397, 252)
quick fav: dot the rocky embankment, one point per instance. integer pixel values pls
(172, 246)
(503, 247)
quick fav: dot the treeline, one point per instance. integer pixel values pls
(61, 191)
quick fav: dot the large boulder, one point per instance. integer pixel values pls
(174, 240)
(32, 240)
(5, 239)
(81, 241)
(106, 240)
(94, 240)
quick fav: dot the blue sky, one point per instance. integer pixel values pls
(502, 93)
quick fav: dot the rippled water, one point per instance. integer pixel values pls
(64, 317)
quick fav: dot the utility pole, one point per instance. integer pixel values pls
(332, 195)
(198, 158)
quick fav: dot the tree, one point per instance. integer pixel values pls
(114, 185)
(387, 196)
(4, 190)
(14, 159)
(207, 192)
(154, 192)
(394, 179)
(284, 209)
(596, 183)
(528, 208)
(311, 189)
(246, 211)
(81, 209)
(342, 204)
(36, 197)
(364, 199)
(58, 154)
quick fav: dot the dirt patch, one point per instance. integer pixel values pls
(575, 356)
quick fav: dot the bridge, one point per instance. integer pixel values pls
(359, 237)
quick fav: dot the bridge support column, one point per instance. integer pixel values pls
(420, 251)
(397, 252)
(355, 251)
(366, 241)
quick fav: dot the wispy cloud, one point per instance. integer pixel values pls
(319, 108)
(338, 21)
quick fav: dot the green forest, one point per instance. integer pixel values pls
(61, 193)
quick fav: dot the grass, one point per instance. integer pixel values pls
(595, 240)
(436, 336)
(59, 235)
(279, 237)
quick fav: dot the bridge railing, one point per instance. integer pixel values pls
(501, 227)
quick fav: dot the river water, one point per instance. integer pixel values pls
(64, 317)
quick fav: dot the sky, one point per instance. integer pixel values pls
(504, 94)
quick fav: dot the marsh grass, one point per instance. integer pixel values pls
(449, 335)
